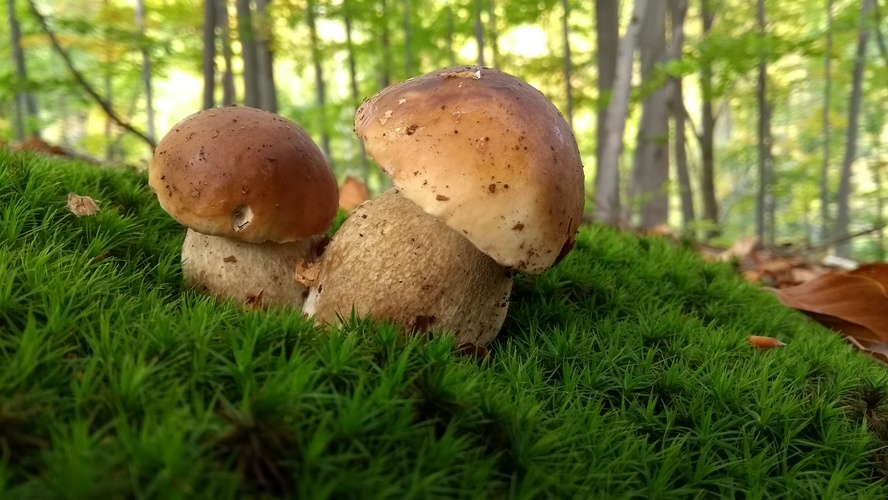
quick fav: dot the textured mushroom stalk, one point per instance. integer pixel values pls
(254, 274)
(390, 260)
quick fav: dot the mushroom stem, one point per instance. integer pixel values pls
(392, 261)
(256, 274)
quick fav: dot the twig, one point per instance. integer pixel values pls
(839, 239)
(105, 105)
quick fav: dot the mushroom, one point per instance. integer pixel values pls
(256, 195)
(488, 181)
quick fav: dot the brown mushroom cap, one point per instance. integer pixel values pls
(485, 153)
(244, 173)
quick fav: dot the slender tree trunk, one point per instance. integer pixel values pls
(385, 74)
(607, 180)
(408, 40)
(249, 53)
(320, 89)
(229, 95)
(679, 10)
(843, 249)
(707, 135)
(111, 145)
(353, 83)
(650, 166)
(479, 31)
(877, 167)
(451, 31)
(494, 34)
(567, 63)
(607, 37)
(825, 219)
(265, 57)
(208, 55)
(765, 201)
(146, 70)
(25, 104)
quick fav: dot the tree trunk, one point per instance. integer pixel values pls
(208, 55)
(707, 134)
(764, 214)
(679, 10)
(385, 76)
(825, 219)
(479, 31)
(320, 89)
(567, 63)
(146, 70)
(265, 57)
(249, 53)
(408, 40)
(650, 165)
(607, 179)
(843, 249)
(25, 117)
(353, 84)
(494, 34)
(229, 95)
(607, 37)
(451, 31)
(107, 82)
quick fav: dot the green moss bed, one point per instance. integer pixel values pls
(621, 373)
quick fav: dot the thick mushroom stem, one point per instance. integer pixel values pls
(391, 261)
(254, 274)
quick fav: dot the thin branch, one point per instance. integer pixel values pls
(691, 123)
(844, 238)
(105, 105)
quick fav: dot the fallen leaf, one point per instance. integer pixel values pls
(307, 272)
(82, 206)
(255, 301)
(352, 193)
(741, 249)
(760, 342)
(853, 304)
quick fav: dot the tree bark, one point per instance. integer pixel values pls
(827, 129)
(146, 70)
(249, 53)
(607, 179)
(320, 89)
(679, 10)
(707, 134)
(265, 57)
(650, 165)
(843, 249)
(566, 61)
(353, 83)
(607, 37)
(494, 34)
(25, 104)
(208, 55)
(764, 222)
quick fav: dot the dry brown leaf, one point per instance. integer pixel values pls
(82, 206)
(760, 342)
(352, 193)
(741, 249)
(877, 271)
(853, 304)
(877, 350)
(307, 272)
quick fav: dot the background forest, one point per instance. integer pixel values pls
(724, 118)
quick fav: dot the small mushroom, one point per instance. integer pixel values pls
(488, 181)
(256, 195)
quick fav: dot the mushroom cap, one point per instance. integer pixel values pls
(246, 174)
(485, 153)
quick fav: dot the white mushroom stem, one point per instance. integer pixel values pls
(255, 274)
(391, 261)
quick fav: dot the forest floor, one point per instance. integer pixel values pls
(622, 372)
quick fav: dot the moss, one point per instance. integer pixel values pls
(621, 372)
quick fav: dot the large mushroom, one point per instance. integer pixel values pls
(488, 181)
(256, 195)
